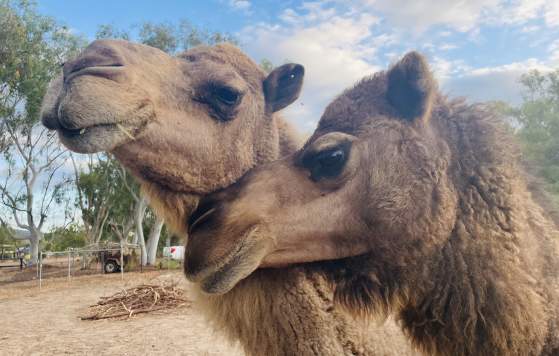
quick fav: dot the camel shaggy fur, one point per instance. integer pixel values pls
(410, 203)
(186, 126)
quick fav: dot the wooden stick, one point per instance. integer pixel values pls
(121, 128)
(96, 317)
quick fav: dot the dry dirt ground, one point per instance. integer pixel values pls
(46, 321)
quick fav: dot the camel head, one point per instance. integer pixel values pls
(188, 124)
(371, 180)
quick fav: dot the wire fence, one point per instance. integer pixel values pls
(76, 262)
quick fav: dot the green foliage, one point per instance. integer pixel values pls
(60, 239)
(120, 197)
(266, 65)
(167, 263)
(166, 36)
(98, 185)
(32, 46)
(105, 186)
(537, 122)
(110, 31)
(162, 36)
(6, 236)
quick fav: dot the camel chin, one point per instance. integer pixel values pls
(220, 275)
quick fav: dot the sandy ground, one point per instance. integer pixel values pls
(46, 321)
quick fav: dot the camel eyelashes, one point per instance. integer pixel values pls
(328, 163)
(222, 99)
(227, 96)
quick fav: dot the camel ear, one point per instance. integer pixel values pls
(411, 87)
(283, 85)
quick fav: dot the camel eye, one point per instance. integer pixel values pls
(227, 96)
(222, 99)
(328, 163)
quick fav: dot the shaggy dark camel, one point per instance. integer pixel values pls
(186, 126)
(410, 203)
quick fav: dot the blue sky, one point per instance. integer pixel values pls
(477, 48)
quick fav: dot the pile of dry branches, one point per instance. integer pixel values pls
(141, 299)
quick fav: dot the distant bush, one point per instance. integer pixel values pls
(535, 123)
(60, 239)
(169, 264)
(6, 236)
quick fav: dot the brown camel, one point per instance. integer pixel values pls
(410, 203)
(186, 126)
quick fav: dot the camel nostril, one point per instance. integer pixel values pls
(82, 63)
(50, 121)
(201, 221)
(202, 216)
(101, 53)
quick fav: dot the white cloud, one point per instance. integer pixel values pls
(554, 52)
(447, 46)
(336, 49)
(516, 11)
(492, 83)
(464, 16)
(438, 47)
(445, 69)
(421, 14)
(552, 13)
(530, 29)
(242, 5)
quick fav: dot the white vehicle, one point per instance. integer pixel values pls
(174, 252)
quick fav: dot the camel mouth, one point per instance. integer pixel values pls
(224, 275)
(97, 138)
(98, 130)
(71, 133)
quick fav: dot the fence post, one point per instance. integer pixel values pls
(102, 253)
(121, 261)
(168, 243)
(69, 265)
(40, 270)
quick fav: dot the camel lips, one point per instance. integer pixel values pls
(73, 132)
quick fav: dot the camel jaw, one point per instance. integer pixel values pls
(223, 275)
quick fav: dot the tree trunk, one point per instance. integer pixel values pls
(153, 240)
(139, 214)
(34, 244)
(34, 241)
